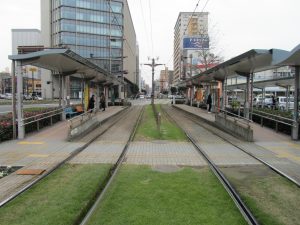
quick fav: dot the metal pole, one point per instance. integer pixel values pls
(295, 130)
(21, 128)
(251, 93)
(68, 90)
(14, 107)
(247, 105)
(60, 89)
(32, 81)
(152, 97)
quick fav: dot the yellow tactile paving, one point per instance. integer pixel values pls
(30, 143)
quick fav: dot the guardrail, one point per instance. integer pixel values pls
(276, 119)
(37, 118)
(82, 118)
(241, 119)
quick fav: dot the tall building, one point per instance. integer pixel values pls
(165, 79)
(190, 34)
(99, 30)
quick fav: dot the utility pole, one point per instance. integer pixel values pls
(153, 65)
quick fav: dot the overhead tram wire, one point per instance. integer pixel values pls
(145, 25)
(151, 27)
(119, 26)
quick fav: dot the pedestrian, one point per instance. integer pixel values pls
(102, 101)
(273, 102)
(91, 105)
(209, 102)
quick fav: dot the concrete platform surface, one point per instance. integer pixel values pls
(41, 150)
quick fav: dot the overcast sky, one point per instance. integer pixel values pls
(238, 25)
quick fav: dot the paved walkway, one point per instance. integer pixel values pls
(275, 148)
(42, 150)
(164, 153)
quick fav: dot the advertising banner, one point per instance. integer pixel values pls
(196, 42)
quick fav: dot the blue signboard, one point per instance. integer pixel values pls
(196, 43)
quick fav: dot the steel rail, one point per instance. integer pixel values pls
(245, 151)
(226, 184)
(113, 171)
(118, 117)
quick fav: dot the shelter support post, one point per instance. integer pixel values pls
(106, 92)
(295, 130)
(60, 89)
(251, 94)
(21, 127)
(192, 95)
(68, 90)
(14, 111)
(64, 95)
(287, 95)
(97, 99)
(247, 97)
(224, 97)
(263, 97)
(86, 94)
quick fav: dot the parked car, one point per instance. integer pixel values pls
(8, 96)
(142, 96)
(258, 101)
(39, 98)
(27, 97)
(2, 96)
(282, 102)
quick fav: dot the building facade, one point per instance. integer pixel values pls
(99, 30)
(190, 29)
(166, 76)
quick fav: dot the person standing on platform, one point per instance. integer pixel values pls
(209, 102)
(91, 105)
(102, 101)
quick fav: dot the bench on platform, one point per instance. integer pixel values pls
(79, 109)
(69, 112)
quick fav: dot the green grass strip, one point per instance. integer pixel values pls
(272, 199)
(57, 200)
(140, 195)
(148, 131)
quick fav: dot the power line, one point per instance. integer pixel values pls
(145, 25)
(151, 26)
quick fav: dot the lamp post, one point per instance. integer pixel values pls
(153, 65)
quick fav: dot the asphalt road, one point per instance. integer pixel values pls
(8, 108)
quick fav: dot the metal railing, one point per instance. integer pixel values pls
(241, 120)
(274, 118)
(82, 118)
(37, 118)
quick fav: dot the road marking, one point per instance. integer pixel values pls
(30, 143)
(38, 156)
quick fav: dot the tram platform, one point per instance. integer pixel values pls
(40, 151)
(277, 149)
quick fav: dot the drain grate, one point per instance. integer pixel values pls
(6, 170)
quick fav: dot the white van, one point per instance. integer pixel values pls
(258, 101)
(281, 103)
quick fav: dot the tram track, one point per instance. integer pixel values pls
(113, 172)
(221, 177)
(114, 120)
(231, 142)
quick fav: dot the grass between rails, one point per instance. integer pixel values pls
(140, 195)
(272, 199)
(59, 199)
(147, 129)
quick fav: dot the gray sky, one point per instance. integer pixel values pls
(238, 25)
